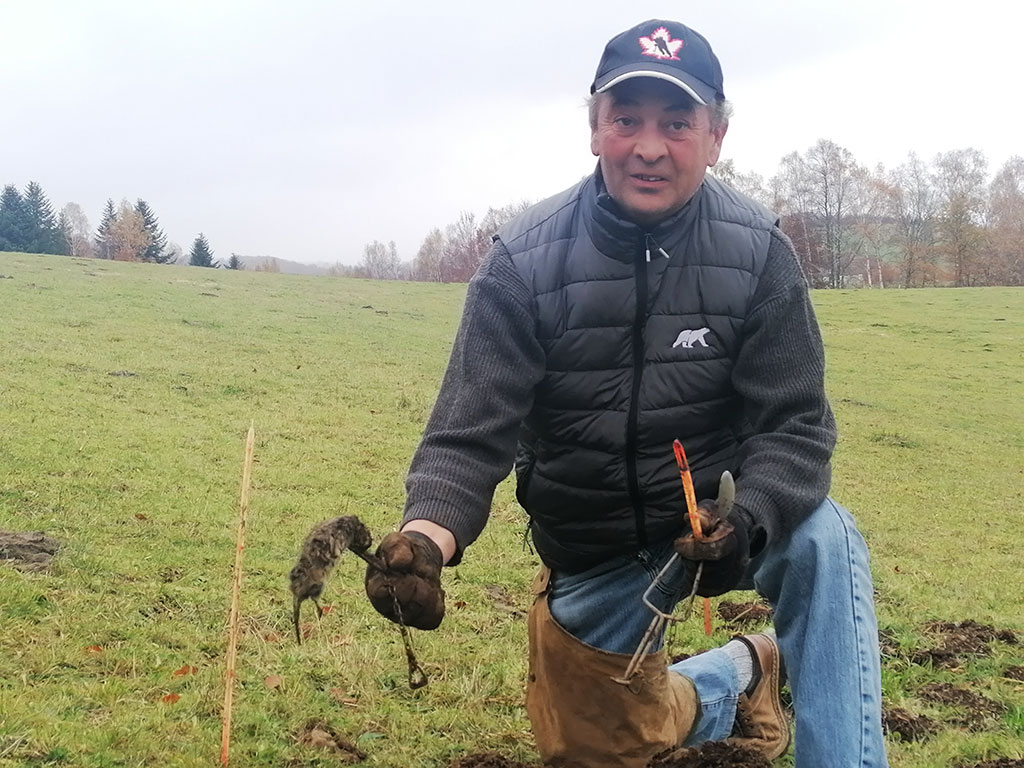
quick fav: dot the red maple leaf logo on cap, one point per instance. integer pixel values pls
(660, 45)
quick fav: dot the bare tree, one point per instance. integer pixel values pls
(381, 261)
(128, 237)
(911, 202)
(830, 174)
(871, 229)
(793, 198)
(175, 254)
(1006, 224)
(960, 182)
(268, 264)
(77, 233)
(750, 184)
(464, 249)
(428, 264)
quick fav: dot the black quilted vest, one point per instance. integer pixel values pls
(638, 353)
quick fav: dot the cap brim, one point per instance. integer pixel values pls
(698, 90)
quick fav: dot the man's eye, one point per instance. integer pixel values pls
(625, 122)
(679, 125)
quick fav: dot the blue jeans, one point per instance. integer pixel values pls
(818, 583)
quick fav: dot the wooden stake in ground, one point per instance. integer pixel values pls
(236, 588)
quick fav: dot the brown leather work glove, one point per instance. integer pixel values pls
(724, 550)
(413, 576)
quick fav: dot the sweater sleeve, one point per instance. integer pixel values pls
(469, 442)
(785, 469)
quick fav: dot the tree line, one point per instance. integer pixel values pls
(449, 255)
(126, 232)
(937, 223)
(941, 222)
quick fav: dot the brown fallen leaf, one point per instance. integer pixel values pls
(188, 669)
(341, 696)
(170, 698)
(272, 637)
(93, 649)
(273, 681)
(140, 516)
(325, 609)
(460, 604)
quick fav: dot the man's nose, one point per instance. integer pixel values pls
(650, 145)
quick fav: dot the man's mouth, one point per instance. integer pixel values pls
(648, 177)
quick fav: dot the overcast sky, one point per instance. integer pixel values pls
(304, 130)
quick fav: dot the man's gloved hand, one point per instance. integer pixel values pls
(413, 576)
(724, 550)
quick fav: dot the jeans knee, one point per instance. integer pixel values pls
(828, 535)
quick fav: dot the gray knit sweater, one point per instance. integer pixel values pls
(469, 442)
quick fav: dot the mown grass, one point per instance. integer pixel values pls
(125, 394)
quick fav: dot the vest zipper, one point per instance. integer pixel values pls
(639, 321)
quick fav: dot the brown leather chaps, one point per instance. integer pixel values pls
(581, 717)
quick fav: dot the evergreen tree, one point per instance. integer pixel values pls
(201, 255)
(14, 225)
(104, 247)
(235, 263)
(64, 227)
(156, 250)
(43, 234)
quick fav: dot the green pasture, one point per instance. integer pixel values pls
(126, 391)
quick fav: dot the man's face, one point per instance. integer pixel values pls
(654, 143)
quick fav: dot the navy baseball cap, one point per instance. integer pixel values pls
(666, 50)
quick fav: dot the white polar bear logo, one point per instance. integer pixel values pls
(688, 337)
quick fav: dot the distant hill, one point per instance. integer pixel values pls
(283, 265)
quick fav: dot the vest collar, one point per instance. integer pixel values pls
(618, 237)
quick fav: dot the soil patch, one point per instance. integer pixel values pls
(966, 638)
(910, 727)
(713, 754)
(31, 551)
(972, 631)
(1014, 673)
(974, 708)
(745, 614)
(320, 735)
(486, 760)
(502, 601)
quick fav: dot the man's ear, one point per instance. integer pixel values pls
(715, 151)
(594, 144)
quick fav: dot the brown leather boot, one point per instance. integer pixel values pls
(760, 721)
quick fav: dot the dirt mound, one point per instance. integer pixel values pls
(910, 727)
(486, 760)
(1014, 673)
(320, 735)
(972, 631)
(713, 754)
(974, 708)
(31, 551)
(744, 614)
(966, 638)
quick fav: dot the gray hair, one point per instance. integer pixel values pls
(718, 113)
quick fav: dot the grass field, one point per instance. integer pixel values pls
(125, 394)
